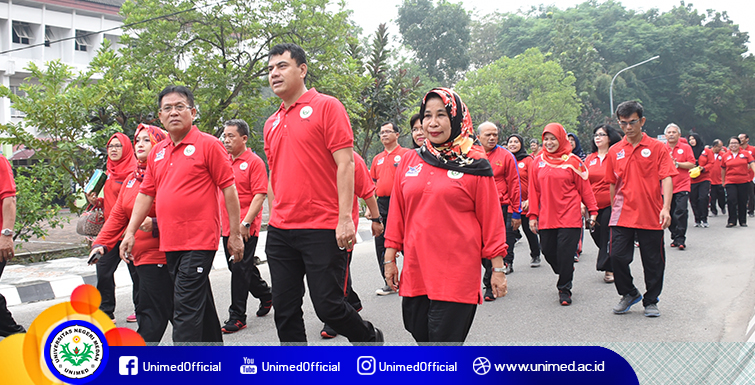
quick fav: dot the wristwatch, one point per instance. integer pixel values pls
(247, 225)
(7, 232)
(378, 219)
(499, 270)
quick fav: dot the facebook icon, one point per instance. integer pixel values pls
(128, 365)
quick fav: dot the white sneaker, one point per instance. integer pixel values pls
(385, 290)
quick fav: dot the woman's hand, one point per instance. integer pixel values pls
(91, 198)
(146, 226)
(98, 249)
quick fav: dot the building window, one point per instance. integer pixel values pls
(22, 33)
(14, 113)
(49, 36)
(82, 41)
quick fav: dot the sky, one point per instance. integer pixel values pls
(369, 14)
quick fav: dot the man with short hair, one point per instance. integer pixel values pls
(251, 183)
(382, 172)
(684, 159)
(745, 146)
(506, 175)
(308, 143)
(717, 190)
(8, 325)
(185, 174)
(639, 171)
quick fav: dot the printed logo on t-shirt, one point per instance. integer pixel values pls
(305, 112)
(243, 166)
(499, 163)
(160, 155)
(276, 122)
(741, 155)
(397, 158)
(680, 151)
(646, 152)
(414, 171)
(455, 174)
(380, 161)
(521, 164)
(130, 183)
(620, 155)
(541, 164)
(189, 150)
(593, 162)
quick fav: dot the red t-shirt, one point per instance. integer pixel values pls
(751, 150)
(7, 184)
(445, 222)
(146, 248)
(363, 186)
(682, 152)
(556, 194)
(715, 169)
(110, 191)
(736, 166)
(251, 179)
(384, 168)
(637, 172)
(596, 168)
(705, 161)
(506, 175)
(299, 143)
(184, 181)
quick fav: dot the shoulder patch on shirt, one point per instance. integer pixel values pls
(305, 112)
(243, 166)
(521, 164)
(130, 183)
(380, 161)
(160, 155)
(593, 162)
(189, 150)
(620, 154)
(646, 152)
(414, 171)
(455, 174)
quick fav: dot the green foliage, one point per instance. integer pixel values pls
(521, 94)
(37, 190)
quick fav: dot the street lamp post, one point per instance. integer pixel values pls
(617, 74)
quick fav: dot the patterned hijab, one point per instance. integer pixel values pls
(462, 152)
(156, 134)
(562, 157)
(118, 170)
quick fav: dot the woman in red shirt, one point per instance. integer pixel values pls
(418, 136)
(523, 162)
(558, 184)
(604, 136)
(735, 174)
(155, 306)
(444, 216)
(699, 193)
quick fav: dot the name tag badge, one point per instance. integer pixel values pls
(160, 155)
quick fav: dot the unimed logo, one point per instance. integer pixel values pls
(128, 365)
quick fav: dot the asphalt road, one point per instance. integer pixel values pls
(708, 296)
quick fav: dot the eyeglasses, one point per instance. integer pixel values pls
(178, 107)
(629, 123)
(598, 135)
(114, 146)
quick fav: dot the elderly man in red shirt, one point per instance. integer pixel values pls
(684, 160)
(185, 174)
(639, 172)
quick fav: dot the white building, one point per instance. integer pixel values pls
(29, 30)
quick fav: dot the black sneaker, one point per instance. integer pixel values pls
(327, 332)
(489, 294)
(535, 262)
(233, 325)
(265, 307)
(564, 298)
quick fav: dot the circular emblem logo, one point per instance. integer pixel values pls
(305, 112)
(646, 152)
(565, 156)
(243, 166)
(521, 164)
(189, 150)
(455, 174)
(481, 365)
(680, 151)
(76, 352)
(397, 158)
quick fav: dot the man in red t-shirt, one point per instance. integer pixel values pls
(8, 325)
(639, 171)
(745, 146)
(684, 160)
(185, 174)
(251, 183)
(382, 172)
(309, 146)
(717, 191)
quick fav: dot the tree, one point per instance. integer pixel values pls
(438, 35)
(521, 94)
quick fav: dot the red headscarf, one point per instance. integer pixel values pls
(118, 170)
(156, 134)
(562, 157)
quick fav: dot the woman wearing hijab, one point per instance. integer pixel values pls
(576, 147)
(604, 136)
(736, 166)
(699, 193)
(444, 216)
(155, 306)
(515, 144)
(120, 164)
(558, 185)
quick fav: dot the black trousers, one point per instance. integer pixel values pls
(106, 267)
(245, 278)
(194, 316)
(351, 296)
(679, 217)
(559, 247)
(621, 249)
(293, 253)
(155, 307)
(532, 238)
(736, 195)
(750, 197)
(383, 204)
(510, 241)
(8, 325)
(699, 195)
(600, 237)
(437, 321)
(717, 197)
